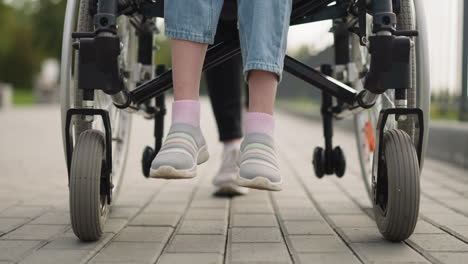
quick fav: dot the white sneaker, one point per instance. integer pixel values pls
(225, 178)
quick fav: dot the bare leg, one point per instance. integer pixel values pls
(187, 64)
(262, 91)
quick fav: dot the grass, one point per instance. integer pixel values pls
(438, 113)
(23, 97)
(300, 105)
(304, 105)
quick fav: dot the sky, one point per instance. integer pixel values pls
(444, 19)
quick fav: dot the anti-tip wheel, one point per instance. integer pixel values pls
(319, 162)
(146, 159)
(396, 190)
(339, 162)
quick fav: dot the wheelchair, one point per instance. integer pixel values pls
(380, 77)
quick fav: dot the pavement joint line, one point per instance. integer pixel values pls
(425, 254)
(319, 208)
(19, 226)
(445, 229)
(443, 184)
(98, 250)
(443, 204)
(441, 227)
(292, 252)
(228, 233)
(182, 218)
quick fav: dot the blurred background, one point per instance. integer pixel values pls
(31, 33)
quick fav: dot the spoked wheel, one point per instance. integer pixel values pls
(78, 19)
(394, 191)
(396, 201)
(365, 122)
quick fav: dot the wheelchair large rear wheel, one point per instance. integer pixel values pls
(410, 18)
(78, 18)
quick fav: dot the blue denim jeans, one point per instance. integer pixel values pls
(263, 28)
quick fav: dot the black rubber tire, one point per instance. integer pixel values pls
(319, 162)
(339, 162)
(88, 210)
(146, 159)
(396, 211)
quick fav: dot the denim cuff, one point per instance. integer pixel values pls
(264, 67)
(174, 34)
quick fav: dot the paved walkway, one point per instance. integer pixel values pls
(170, 222)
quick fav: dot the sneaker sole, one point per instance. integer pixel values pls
(169, 172)
(230, 190)
(259, 183)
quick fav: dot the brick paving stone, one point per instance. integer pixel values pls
(129, 252)
(274, 253)
(7, 224)
(165, 208)
(252, 208)
(55, 256)
(254, 220)
(352, 221)
(206, 214)
(23, 211)
(423, 227)
(317, 243)
(431, 207)
(197, 244)
(156, 219)
(114, 225)
(461, 231)
(70, 241)
(451, 257)
(255, 234)
(438, 242)
(123, 212)
(192, 258)
(299, 214)
(14, 250)
(329, 258)
(448, 219)
(35, 232)
(383, 252)
(294, 203)
(361, 234)
(52, 218)
(210, 203)
(205, 227)
(307, 228)
(144, 234)
(341, 208)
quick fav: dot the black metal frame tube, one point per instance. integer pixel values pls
(320, 80)
(382, 6)
(107, 6)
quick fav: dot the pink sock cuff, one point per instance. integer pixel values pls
(186, 111)
(259, 123)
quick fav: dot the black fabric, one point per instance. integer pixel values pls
(225, 84)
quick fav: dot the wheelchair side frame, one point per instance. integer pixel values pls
(304, 11)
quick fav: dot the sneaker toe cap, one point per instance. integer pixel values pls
(178, 161)
(250, 171)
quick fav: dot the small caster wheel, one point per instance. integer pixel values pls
(339, 162)
(396, 190)
(147, 158)
(319, 162)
